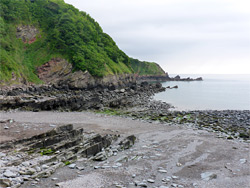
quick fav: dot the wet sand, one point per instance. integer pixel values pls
(181, 151)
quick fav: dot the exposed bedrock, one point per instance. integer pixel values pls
(54, 97)
(40, 155)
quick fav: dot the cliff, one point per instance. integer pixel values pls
(51, 41)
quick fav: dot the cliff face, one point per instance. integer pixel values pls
(60, 72)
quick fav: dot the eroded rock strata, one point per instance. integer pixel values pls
(56, 97)
(39, 156)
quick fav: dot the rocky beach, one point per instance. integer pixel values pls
(119, 137)
(76, 111)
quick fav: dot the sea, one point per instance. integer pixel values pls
(215, 92)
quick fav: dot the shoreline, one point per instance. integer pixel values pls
(48, 133)
(134, 101)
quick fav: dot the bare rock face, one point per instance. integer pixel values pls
(59, 71)
(27, 33)
(54, 70)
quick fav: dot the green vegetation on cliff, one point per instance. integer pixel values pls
(60, 30)
(146, 68)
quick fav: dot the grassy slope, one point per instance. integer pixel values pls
(146, 68)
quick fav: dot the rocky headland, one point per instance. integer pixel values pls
(166, 77)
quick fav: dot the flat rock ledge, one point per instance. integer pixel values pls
(39, 156)
(52, 97)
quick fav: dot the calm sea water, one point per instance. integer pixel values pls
(216, 92)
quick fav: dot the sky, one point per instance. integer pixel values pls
(183, 37)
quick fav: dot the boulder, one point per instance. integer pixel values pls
(174, 87)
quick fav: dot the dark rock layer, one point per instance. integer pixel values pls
(64, 97)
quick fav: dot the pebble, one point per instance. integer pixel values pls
(80, 168)
(150, 180)
(208, 176)
(6, 127)
(142, 184)
(118, 164)
(162, 171)
(167, 179)
(178, 164)
(54, 179)
(175, 177)
(162, 186)
(26, 164)
(242, 161)
(9, 174)
(38, 169)
(195, 184)
(72, 166)
(2, 154)
(45, 166)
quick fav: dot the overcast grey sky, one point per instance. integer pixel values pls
(183, 36)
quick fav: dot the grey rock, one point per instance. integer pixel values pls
(80, 167)
(122, 159)
(45, 166)
(101, 156)
(118, 164)
(150, 180)
(162, 171)
(38, 169)
(31, 171)
(166, 179)
(243, 161)
(2, 154)
(26, 163)
(208, 176)
(142, 184)
(9, 174)
(175, 177)
(122, 90)
(195, 184)
(19, 180)
(127, 142)
(72, 166)
(178, 164)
